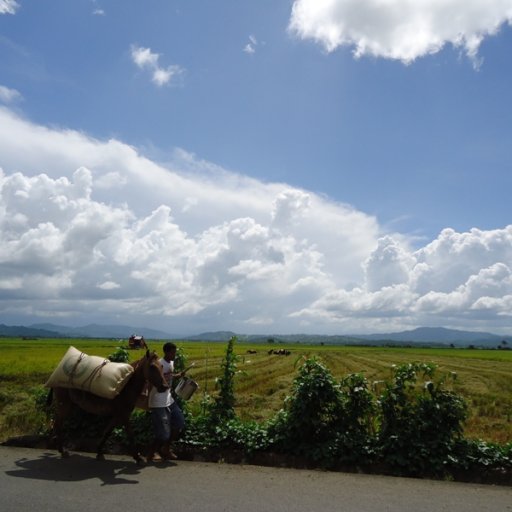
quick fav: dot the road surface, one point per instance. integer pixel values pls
(38, 480)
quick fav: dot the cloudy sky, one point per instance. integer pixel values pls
(314, 166)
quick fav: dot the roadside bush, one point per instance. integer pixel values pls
(479, 457)
(419, 422)
(325, 421)
(357, 427)
(247, 436)
(308, 423)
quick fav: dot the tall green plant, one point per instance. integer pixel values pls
(355, 437)
(308, 423)
(222, 407)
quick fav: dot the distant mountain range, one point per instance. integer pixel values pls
(440, 335)
(419, 336)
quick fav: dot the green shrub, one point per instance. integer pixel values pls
(419, 424)
(308, 423)
(248, 436)
(356, 430)
(480, 457)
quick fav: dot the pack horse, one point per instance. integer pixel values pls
(118, 409)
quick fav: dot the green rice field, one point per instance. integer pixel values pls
(263, 381)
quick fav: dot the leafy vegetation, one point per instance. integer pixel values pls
(222, 408)
(410, 424)
(419, 427)
(120, 355)
(312, 415)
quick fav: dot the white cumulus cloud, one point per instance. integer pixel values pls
(458, 280)
(399, 29)
(100, 229)
(90, 230)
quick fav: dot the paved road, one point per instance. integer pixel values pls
(38, 480)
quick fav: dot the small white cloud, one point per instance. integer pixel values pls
(250, 47)
(399, 29)
(8, 6)
(8, 95)
(144, 58)
(98, 12)
(163, 76)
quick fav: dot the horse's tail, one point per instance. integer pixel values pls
(49, 398)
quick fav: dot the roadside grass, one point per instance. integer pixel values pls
(18, 414)
(484, 377)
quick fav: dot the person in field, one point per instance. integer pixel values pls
(166, 416)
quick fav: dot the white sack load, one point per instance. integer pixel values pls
(90, 373)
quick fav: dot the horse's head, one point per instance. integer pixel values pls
(153, 371)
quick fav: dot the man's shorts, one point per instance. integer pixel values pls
(165, 419)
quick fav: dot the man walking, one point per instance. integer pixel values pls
(166, 416)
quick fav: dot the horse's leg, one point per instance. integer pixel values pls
(63, 408)
(131, 438)
(59, 437)
(106, 433)
(133, 446)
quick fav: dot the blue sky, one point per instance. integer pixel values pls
(323, 166)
